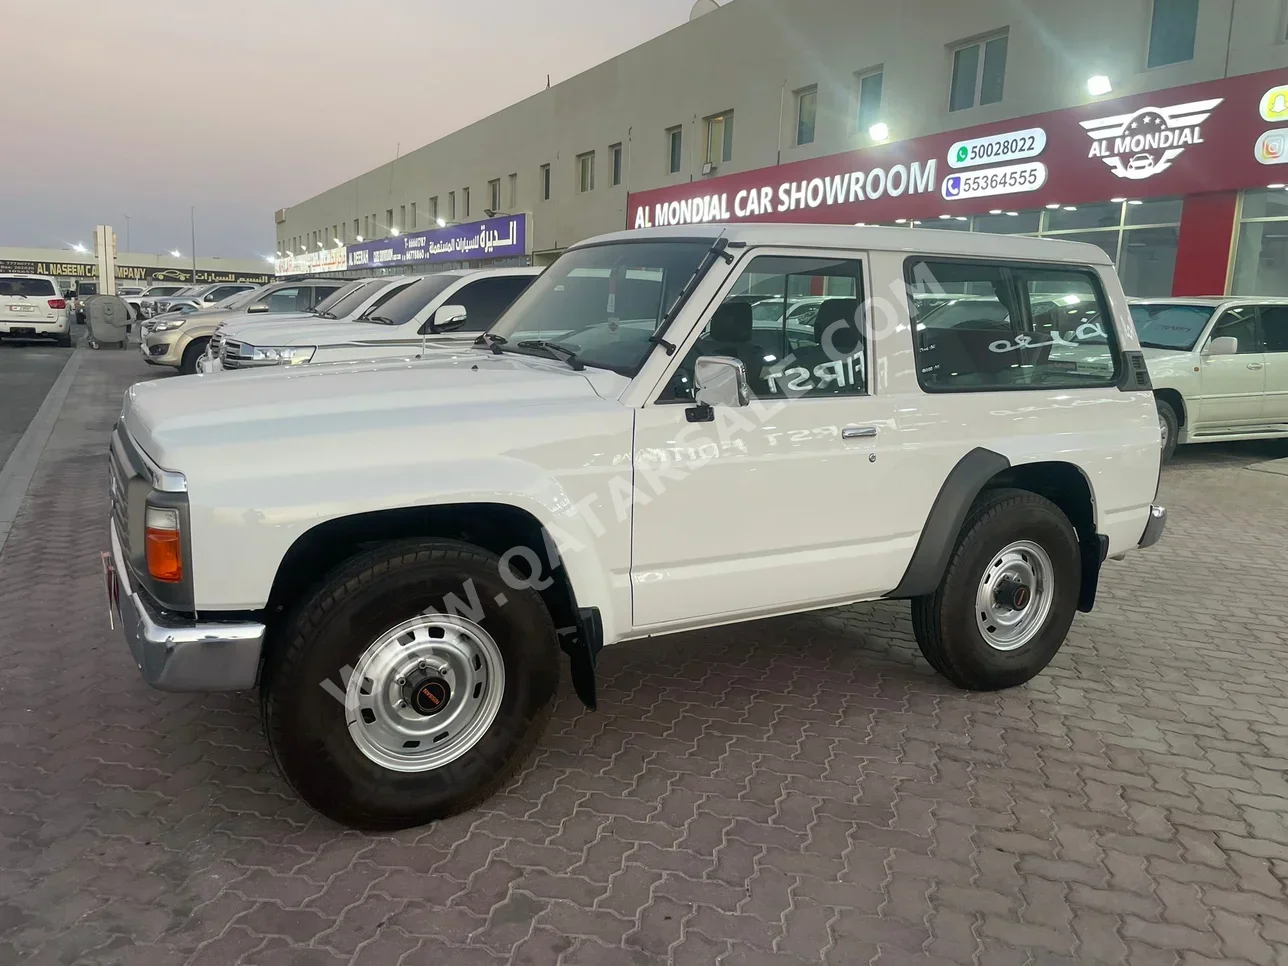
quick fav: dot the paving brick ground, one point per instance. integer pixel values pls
(795, 791)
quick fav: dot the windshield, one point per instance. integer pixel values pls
(345, 301)
(408, 303)
(603, 302)
(243, 299)
(769, 311)
(1170, 326)
(26, 287)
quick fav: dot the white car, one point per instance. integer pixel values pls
(353, 303)
(1219, 367)
(31, 307)
(449, 309)
(396, 553)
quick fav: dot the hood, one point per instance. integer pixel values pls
(296, 329)
(170, 417)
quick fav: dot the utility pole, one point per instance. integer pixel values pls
(192, 215)
(127, 234)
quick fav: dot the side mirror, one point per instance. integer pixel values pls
(448, 318)
(720, 381)
(259, 308)
(1226, 345)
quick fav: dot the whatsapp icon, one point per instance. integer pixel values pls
(962, 154)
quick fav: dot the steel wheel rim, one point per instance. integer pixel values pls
(434, 656)
(1004, 625)
(1163, 430)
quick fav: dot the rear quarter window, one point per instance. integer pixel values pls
(981, 326)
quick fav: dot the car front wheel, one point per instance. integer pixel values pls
(1007, 597)
(1168, 428)
(411, 686)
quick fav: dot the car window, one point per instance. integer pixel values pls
(315, 294)
(1239, 323)
(87, 288)
(785, 359)
(1170, 326)
(346, 298)
(411, 301)
(487, 298)
(27, 287)
(287, 300)
(1274, 327)
(1001, 326)
(377, 307)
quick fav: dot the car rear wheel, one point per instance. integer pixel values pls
(196, 349)
(1008, 596)
(411, 686)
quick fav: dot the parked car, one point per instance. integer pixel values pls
(31, 307)
(353, 303)
(449, 309)
(76, 297)
(204, 296)
(396, 553)
(180, 341)
(143, 302)
(1219, 367)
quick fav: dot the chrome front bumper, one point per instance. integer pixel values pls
(174, 654)
(1154, 528)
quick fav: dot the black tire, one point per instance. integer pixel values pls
(1169, 426)
(65, 341)
(944, 622)
(361, 600)
(196, 349)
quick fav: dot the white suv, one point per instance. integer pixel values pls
(449, 309)
(31, 307)
(1219, 367)
(396, 553)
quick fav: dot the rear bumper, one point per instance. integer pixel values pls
(35, 330)
(1154, 528)
(174, 654)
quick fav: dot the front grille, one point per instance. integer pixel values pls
(216, 343)
(231, 355)
(118, 496)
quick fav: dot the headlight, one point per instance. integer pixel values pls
(165, 325)
(282, 355)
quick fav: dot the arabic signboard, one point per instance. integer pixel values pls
(308, 263)
(502, 237)
(131, 273)
(1182, 141)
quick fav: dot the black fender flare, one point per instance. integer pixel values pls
(947, 516)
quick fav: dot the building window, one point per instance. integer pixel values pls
(433, 212)
(389, 220)
(514, 192)
(1172, 29)
(545, 182)
(494, 194)
(615, 154)
(411, 225)
(356, 232)
(720, 138)
(979, 70)
(674, 149)
(451, 206)
(465, 202)
(366, 226)
(806, 114)
(402, 218)
(1261, 256)
(586, 172)
(867, 100)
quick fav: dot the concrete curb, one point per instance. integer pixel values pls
(18, 470)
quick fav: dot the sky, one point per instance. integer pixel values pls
(147, 108)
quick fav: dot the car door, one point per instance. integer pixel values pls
(775, 505)
(1231, 387)
(1274, 335)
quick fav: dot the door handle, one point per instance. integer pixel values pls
(1254, 365)
(858, 432)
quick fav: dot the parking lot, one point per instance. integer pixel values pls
(799, 790)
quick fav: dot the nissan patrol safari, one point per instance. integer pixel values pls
(396, 553)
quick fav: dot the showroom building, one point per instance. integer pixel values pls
(1156, 129)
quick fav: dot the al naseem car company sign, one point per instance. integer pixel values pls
(1186, 140)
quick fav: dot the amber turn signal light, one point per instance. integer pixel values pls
(164, 548)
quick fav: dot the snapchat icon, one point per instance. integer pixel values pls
(1274, 105)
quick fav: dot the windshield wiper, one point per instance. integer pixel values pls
(493, 342)
(556, 351)
(382, 319)
(325, 315)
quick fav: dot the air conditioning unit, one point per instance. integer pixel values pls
(708, 168)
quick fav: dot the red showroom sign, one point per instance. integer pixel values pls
(1218, 136)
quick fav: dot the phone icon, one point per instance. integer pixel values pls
(962, 153)
(953, 186)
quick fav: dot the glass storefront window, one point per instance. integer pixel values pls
(1148, 260)
(1105, 240)
(1261, 258)
(1084, 216)
(1019, 223)
(1156, 211)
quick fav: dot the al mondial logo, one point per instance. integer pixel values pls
(1140, 145)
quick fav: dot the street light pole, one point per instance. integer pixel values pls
(127, 234)
(192, 215)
